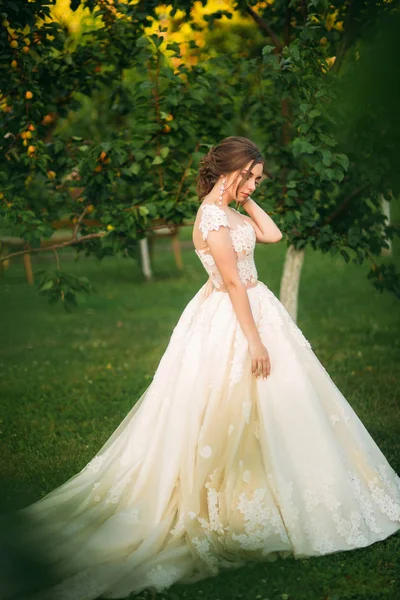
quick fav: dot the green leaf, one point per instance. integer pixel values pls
(345, 255)
(328, 140)
(134, 169)
(106, 146)
(164, 151)
(158, 160)
(47, 285)
(143, 211)
(343, 160)
(174, 47)
(327, 157)
(304, 107)
(142, 42)
(268, 49)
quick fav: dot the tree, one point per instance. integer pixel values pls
(164, 107)
(326, 192)
(138, 169)
(328, 189)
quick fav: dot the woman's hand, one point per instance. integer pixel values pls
(261, 365)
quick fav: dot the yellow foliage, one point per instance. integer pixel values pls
(61, 11)
(180, 31)
(331, 62)
(331, 22)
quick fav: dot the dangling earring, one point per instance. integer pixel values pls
(221, 190)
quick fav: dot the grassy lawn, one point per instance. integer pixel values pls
(68, 379)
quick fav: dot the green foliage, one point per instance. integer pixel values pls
(103, 132)
(64, 287)
(136, 160)
(326, 190)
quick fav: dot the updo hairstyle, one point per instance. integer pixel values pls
(232, 154)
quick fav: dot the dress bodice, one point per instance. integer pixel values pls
(243, 242)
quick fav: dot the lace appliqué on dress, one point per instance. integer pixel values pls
(95, 464)
(160, 577)
(212, 218)
(243, 237)
(259, 521)
(243, 242)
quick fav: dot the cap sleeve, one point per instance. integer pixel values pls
(212, 218)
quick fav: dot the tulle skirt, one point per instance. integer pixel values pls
(213, 468)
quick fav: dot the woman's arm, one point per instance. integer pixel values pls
(265, 228)
(220, 245)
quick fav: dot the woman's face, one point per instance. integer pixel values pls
(240, 184)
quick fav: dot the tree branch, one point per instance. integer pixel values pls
(348, 36)
(344, 204)
(46, 248)
(57, 259)
(185, 173)
(304, 9)
(265, 27)
(76, 227)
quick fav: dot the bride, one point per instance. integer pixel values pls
(242, 448)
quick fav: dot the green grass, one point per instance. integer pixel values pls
(68, 379)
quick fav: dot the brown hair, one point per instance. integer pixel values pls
(232, 154)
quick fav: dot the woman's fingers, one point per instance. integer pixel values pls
(261, 367)
(265, 369)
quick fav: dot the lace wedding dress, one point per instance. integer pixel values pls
(213, 467)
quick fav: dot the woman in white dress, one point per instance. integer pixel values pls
(241, 449)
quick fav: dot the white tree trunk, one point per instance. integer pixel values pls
(290, 281)
(145, 258)
(385, 204)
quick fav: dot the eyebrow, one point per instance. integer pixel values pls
(251, 173)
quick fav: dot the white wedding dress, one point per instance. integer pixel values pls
(213, 467)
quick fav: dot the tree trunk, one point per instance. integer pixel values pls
(28, 269)
(385, 205)
(145, 259)
(290, 281)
